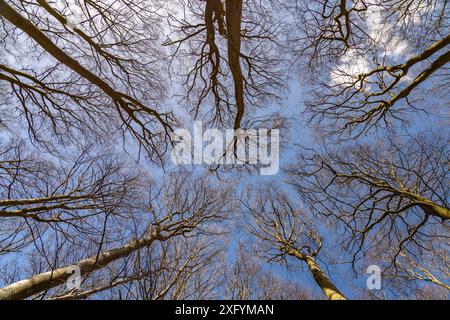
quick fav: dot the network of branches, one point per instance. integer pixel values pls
(92, 91)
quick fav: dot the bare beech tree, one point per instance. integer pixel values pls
(100, 75)
(245, 279)
(39, 194)
(413, 274)
(283, 230)
(80, 77)
(371, 62)
(420, 272)
(415, 271)
(180, 207)
(180, 268)
(329, 29)
(391, 194)
(227, 52)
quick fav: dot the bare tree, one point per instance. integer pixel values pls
(76, 77)
(180, 207)
(417, 274)
(412, 269)
(246, 279)
(180, 268)
(283, 230)
(391, 194)
(100, 73)
(40, 193)
(228, 55)
(371, 62)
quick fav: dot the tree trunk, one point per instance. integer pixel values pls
(233, 9)
(25, 288)
(322, 280)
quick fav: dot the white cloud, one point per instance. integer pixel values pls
(350, 66)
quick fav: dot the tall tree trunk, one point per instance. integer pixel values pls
(323, 281)
(233, 9)
(25, 288)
